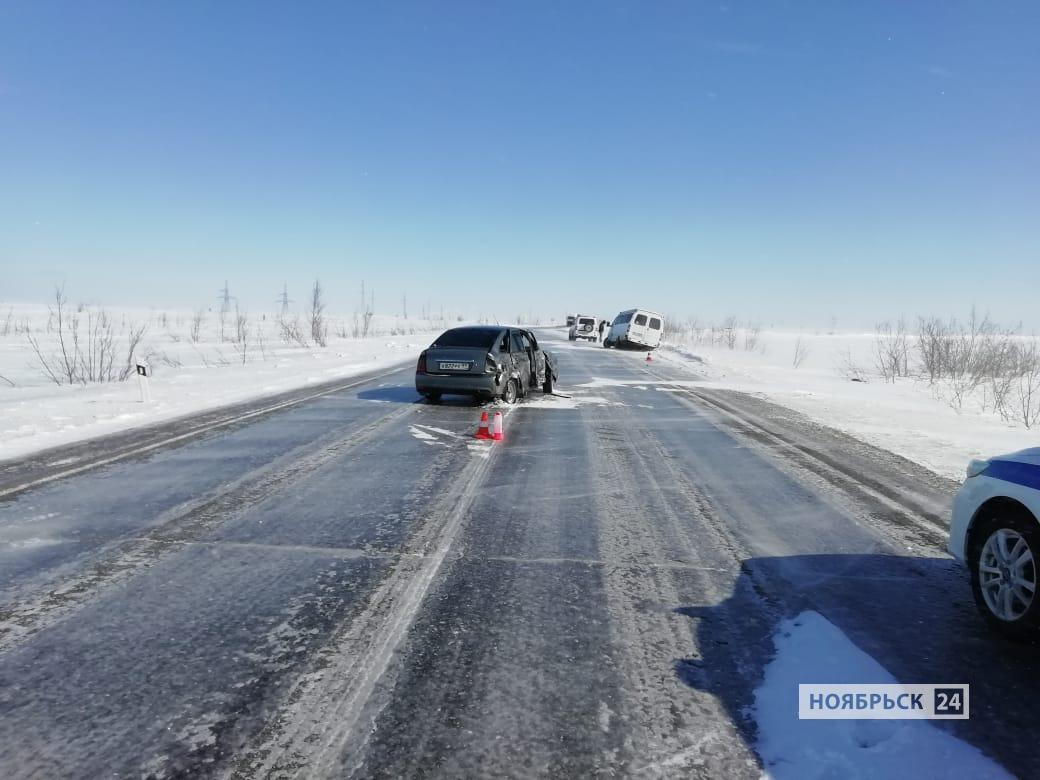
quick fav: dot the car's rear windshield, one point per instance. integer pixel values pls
(484, 338)
(587, 321)
(655, 324)
(640, 319)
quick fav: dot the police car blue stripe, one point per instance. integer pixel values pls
(1012, 471)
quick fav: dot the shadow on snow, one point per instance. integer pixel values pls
(914, 616)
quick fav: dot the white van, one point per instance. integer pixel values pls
(584, 327)
(635, 328)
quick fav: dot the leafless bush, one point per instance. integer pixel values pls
(60, 366)
(241, 335)
(849, 369)
(197, 318)
(933, 344)
(973, 355)
(319, 327)
(292, 332)
(751, 337)
(1028, 386)
(84, 355)
(801, 352)
(261, 341)
(892, 350)
(8, 381)
(156, 357)
(133, 342)
(8, 322)
(362, 323)
(728, 333)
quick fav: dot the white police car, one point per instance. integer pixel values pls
(995, 530)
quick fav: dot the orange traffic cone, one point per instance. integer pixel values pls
(497, 433)
(482, 431)
(648, 358)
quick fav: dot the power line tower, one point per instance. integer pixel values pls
(225, 306)
(283, 299)
(225, 298)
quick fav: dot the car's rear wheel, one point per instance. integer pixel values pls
(1004, 560)
(607, 343)
(433, 398)
(509, 394)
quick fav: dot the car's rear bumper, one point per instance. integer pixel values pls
(482, 384)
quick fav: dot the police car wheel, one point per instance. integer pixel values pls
(1004, 560)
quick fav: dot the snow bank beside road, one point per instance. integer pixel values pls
(810, 649)
(189, 377)
(905, 417)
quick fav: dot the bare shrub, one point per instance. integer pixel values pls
(5, 330)
(133, 342)
(61, 365)
(973, 354)
(892, 350)
(801, 352)
(84, 355)
(261, 341)
(156, 357)
(933, 343)
(319, 327)
(1028, 386)
(751, 337)
(241, 335)
(728, 333)
(197, 318)
(291, 332)
(849, 369)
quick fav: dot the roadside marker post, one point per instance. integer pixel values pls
(142, 381)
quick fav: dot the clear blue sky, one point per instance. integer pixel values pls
(787, 162)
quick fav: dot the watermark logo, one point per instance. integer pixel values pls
(886, 702)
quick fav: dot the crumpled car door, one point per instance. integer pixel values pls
(538, 359)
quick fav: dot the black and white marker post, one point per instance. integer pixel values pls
(142, 380)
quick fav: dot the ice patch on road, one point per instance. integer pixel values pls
(429, 429)
(441, 437)
(810, 649)
(18, 544)
(422, 435)
(573, 402)
(641, 384)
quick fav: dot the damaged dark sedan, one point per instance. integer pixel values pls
(486, 362)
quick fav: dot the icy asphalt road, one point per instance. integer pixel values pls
(352, 587)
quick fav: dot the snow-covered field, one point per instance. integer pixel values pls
(188, 376)
(907, 417)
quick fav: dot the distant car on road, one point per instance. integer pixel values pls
(995, 530)
(485, 362)
(570, 319)
(638, 328)
(583, 327)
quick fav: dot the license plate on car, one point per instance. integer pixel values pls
(453, 366)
